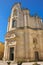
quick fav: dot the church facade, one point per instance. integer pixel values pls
(24, 37)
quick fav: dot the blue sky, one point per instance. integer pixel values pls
(35, 6)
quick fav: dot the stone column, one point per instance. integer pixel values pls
(10, 21)
(5, 51)
(15, 53)
(40, 44)
(25, 38)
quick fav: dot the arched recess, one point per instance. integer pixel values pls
(14, 23)
(15, 12)
(35, 42)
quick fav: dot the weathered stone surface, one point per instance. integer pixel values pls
(26, 37)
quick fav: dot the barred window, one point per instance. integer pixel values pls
(13, 23)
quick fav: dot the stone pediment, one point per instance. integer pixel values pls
(10, 35)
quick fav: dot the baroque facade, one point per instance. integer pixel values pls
(24, 37)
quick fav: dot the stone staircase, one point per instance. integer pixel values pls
(5, 63)
(26, 63)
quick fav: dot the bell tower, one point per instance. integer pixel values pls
(13, 20)
(10, 42)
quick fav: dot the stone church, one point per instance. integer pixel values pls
(24, 37)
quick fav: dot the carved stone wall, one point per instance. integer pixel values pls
(28, 35)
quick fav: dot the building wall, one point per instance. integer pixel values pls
(28, 35)
(25, 46)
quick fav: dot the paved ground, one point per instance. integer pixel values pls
(5, 63)
(30, 63)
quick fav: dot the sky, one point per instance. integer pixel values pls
(35, 6)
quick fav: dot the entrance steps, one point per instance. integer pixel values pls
(26, 63)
